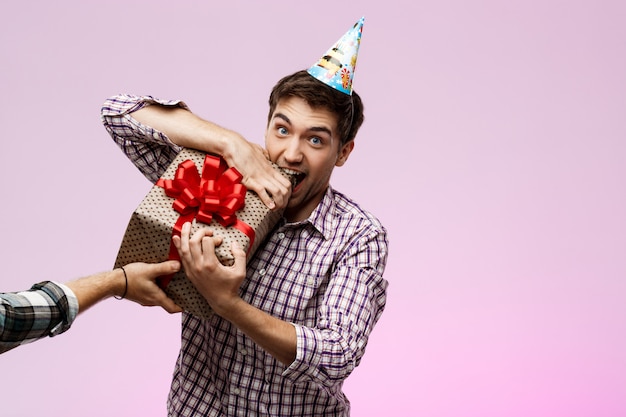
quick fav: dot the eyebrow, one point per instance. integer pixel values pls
(312, 128)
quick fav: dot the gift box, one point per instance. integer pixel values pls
(199, 188)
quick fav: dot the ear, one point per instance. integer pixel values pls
(344, 153)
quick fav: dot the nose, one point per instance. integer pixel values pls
(293, 153)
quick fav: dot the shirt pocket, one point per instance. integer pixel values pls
(293, 297)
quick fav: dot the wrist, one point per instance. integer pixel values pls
(119, 283)
(228, 143)
(228, 308)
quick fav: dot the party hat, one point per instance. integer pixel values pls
(336, 67)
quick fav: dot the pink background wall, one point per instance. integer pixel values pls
(493, 150)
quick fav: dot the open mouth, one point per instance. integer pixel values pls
(296, 177)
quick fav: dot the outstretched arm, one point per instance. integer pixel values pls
(139, 285)
(49, 308)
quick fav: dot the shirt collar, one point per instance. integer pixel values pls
(322, 218)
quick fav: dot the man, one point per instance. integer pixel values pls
(49, 308)
(289, 329)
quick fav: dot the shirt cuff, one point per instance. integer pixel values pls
(125, 103)
(72, 310)
(307, 359)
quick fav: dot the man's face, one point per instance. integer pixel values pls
(304, 139)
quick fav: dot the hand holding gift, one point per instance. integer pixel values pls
(217, 283)
(210, 195)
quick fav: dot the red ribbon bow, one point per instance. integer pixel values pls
(217, 194)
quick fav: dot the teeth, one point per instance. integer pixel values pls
(295, 176)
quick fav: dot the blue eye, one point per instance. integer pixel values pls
(282, 131)
(316, 141)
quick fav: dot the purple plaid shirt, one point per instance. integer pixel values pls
(324, 275)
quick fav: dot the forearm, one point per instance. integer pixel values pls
(90, 290)
(275, 336)
(151, 132)
(188, 130)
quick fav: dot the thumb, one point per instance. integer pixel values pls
(238, 253)
(170, 306)
(161, 269)
(167, 267)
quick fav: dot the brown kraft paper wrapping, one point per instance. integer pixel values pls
(149, 232)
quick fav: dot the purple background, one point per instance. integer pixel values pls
(493, 150)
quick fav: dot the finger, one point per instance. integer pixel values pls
(208, 244)
(277, 197)
(183, 240)
(170, 306)
(176, 240)
(160, 298)
(167, 267)
(186, 230)
(280, 193)
(217, 240)
(201, 234)
(282, 180)
(197, 241)
(266, 198)
(239, 254)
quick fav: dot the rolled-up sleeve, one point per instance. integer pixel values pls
(354, 301)
(149, 149)
(47, 309)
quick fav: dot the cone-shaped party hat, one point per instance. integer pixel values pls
(336, 67)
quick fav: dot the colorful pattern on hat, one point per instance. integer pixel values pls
(336, 67)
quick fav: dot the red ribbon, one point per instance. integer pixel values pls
(216, 195)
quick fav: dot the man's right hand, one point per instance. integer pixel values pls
(259, 176)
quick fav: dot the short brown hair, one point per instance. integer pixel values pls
(348, 109)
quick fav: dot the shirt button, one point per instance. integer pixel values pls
(236, 391)
(261, 271)
(310, 280)
(243, 351)
(281, 235)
